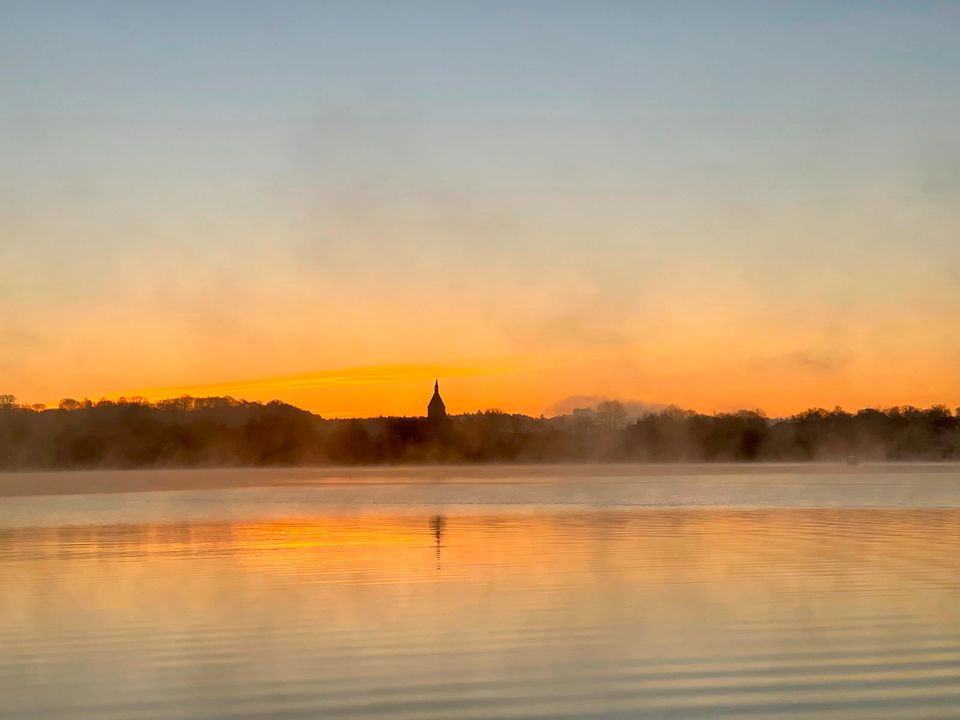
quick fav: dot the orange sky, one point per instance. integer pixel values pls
(531, 349)
(541, 209)
(777, 384)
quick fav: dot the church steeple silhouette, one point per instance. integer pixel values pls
(436, 410)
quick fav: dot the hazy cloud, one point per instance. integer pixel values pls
(635, 408)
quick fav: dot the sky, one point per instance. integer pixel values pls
(718, 205)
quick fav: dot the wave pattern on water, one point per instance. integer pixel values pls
(620, 613)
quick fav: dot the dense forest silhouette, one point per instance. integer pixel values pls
(221, 431)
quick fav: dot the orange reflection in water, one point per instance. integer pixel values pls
(651, 546)
(417, 615)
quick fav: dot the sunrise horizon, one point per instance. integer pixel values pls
(398, 390)
(537, 204)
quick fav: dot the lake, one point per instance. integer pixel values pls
(494, 592)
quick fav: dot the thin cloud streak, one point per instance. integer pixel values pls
(371, 375)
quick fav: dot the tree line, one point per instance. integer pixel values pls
(221, 431)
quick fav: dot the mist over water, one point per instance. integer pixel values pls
(613, 592)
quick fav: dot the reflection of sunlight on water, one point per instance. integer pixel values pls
(666, 613)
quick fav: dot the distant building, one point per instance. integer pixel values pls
(436, 410)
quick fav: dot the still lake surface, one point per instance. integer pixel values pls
(614, 592)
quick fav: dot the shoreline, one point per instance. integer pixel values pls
(31, 483)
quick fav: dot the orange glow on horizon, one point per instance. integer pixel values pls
(546, 386)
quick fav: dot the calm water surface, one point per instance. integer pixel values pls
(493, 596)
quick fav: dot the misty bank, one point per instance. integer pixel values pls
(222, 432)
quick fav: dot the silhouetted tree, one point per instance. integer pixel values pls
(185, 431)
(611, 415)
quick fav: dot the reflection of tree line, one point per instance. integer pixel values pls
(74, 542)
(670, 544)
(222, 431)
(177, 539)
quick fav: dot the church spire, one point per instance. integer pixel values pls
(436, 409)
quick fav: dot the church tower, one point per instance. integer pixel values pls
(436, 410)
